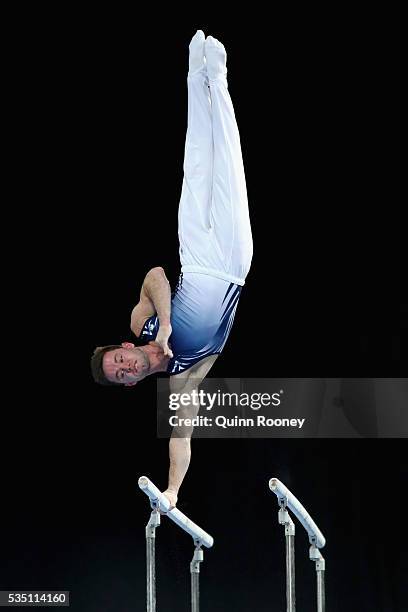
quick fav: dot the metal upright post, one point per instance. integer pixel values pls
(154, 522)
(321, 600)
(316, 556)
(284, 519)
(195, 577)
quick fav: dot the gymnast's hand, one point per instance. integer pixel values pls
(172, 497)
(162, 339)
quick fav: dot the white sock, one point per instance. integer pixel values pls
(216, 57)
(196, 46)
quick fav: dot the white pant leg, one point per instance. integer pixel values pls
(195, 201)
(229, 211)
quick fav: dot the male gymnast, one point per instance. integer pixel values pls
(184, 332)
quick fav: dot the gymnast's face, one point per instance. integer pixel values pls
(126, 365)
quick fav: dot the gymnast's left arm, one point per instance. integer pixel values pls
(155, 296)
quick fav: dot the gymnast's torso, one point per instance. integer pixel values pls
(202, 313)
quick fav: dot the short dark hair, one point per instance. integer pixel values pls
(97, 364)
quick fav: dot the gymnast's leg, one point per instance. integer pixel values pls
(195, 202)
(229, 208)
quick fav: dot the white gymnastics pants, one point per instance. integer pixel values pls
(214, 226)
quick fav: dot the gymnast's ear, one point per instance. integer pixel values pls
(128, 345)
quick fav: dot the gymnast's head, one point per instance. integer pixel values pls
(126, 364)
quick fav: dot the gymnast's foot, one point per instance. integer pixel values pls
(216, 57)
(196, 60)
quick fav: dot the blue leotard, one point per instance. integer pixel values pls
(202, 313)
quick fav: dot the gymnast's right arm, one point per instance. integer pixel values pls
(180, 453)
(180, 440)
(155, 297)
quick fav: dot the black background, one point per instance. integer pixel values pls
(100, 128)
